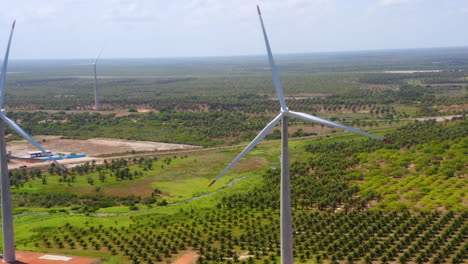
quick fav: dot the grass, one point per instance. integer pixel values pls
(199, 169)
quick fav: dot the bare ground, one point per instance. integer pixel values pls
(117, 112)
(189, 258)
(25, 257)
(94, 146)
(15, 164)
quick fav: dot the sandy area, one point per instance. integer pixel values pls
(94, 146)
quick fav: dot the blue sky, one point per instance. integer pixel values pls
(59, 29)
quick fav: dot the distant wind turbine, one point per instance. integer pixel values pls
(7, 217)
(96, 89)
(285, 211)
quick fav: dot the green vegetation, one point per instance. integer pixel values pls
(224, 122)
(213, 107)
(227, 236)
(133, 182)
(342, 185)
(429, 176)
(354, 200)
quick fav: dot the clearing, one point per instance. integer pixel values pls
(93, 146)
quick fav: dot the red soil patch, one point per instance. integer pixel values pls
(34, 258)
(186, 259)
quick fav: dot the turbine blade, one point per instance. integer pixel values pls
(274, 70)
(322, 121)
(4, 68)
(29, 138)
(252, 144)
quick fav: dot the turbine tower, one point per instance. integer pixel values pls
(7, 216)
(285, 210)
(96, 89)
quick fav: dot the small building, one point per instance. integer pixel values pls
(37, 154)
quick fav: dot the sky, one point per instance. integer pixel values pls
(64, 29)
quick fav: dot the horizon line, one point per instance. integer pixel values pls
(248, 55)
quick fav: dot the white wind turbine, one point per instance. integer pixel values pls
(7, 218)
(285, 211)
(96, 89)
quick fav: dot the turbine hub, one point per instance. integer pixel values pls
(285, 110)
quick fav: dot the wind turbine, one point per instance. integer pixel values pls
(7, 216)
(285, 210)
(96, 89)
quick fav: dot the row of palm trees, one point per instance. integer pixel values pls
(222, 236)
